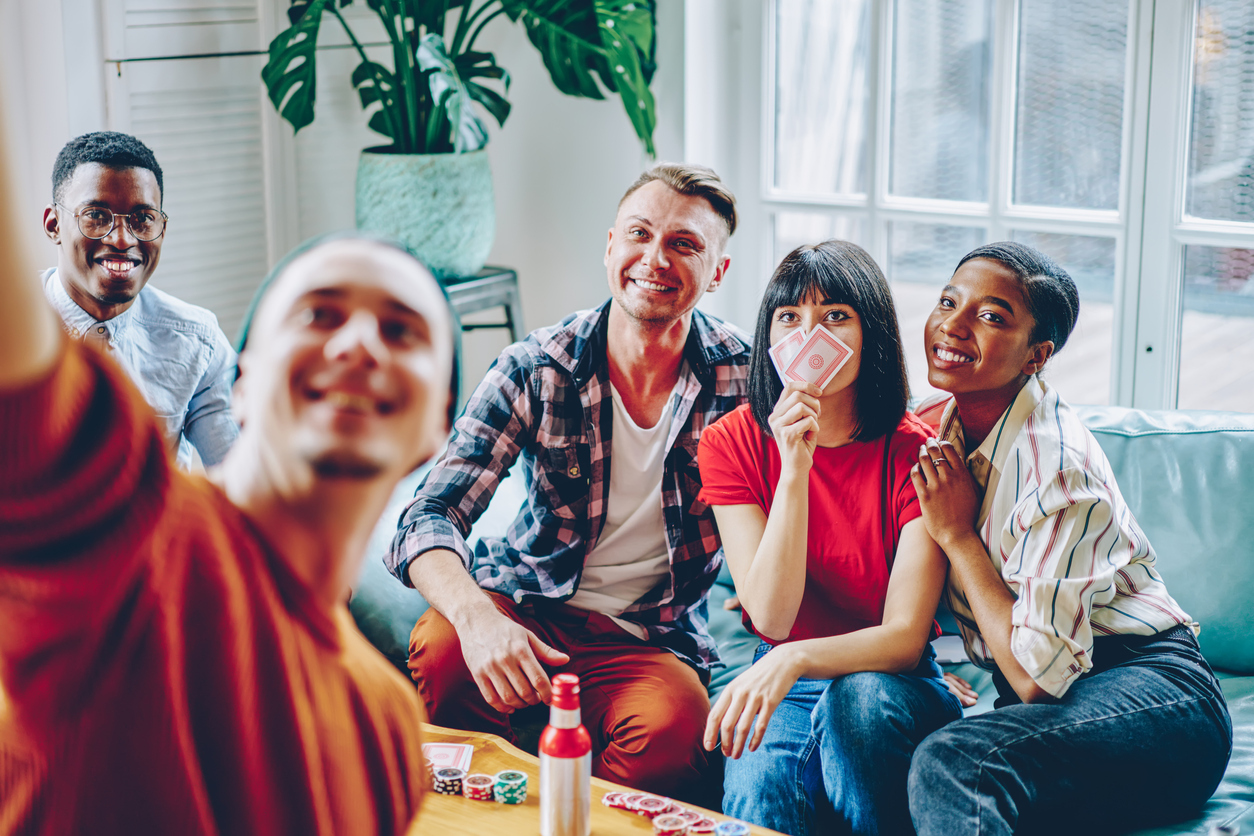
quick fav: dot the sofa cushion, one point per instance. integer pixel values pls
(1189, 479)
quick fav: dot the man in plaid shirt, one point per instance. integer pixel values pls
(606, 571)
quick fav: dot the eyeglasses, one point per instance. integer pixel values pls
(96, 222)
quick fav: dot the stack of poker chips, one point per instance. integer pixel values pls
(671, 818)
(510, 787)
(478, 787)
(448, 781)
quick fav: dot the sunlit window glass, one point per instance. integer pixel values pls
(940, 100)
(822, 85)
(1069, 103)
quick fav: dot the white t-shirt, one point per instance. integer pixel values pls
(631, 557)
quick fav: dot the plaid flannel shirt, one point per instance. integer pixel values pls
(547, 401)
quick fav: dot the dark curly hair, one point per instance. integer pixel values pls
(1050, 293)
(108, 148)
(843, 273)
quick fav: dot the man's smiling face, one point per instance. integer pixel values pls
(664, 252)
(103, 277)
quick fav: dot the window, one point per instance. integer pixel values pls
(1112, 136)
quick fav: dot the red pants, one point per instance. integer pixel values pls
(643, 706)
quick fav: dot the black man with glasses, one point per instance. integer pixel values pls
(107, 223)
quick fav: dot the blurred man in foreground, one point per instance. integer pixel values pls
(175, 654)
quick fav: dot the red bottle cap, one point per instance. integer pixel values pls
(566, 691)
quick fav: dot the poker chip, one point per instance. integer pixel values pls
(478, 787)
(730, 828)
(702, 827)
(510, 787)
(613, 799)
(672, 810)
(692, 817)
(628, 800)
(651, 806)
(670, 826)
(448, 781)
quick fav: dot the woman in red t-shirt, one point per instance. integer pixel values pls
(812, 493)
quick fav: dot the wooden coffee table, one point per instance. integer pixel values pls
(454, 814)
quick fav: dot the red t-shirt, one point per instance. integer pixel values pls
(846, 556)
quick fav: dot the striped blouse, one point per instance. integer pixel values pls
(1068, 547)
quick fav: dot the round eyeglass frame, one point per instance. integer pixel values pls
(78, 219)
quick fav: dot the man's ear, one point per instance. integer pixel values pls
(720, 272)
(52, 224)
(238, 393)
(609, 243)
(1037, 356)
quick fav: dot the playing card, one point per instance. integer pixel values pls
(818, 360)
(443, 755)
(783, 351)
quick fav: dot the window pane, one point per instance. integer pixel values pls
(1217, 354)
(1221, 145)
(792, 229)
(940, 115)
(921, 257)
(822, 63)
(1081, 371)
(1069, 109)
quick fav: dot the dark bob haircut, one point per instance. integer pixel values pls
(1049, 291)
(108, 148)
(837, 272)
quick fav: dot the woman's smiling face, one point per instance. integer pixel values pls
(979, 336)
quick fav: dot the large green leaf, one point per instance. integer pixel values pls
(453, 119)
(375, 83)
(290, 75)
(583, 40)
(473, 65)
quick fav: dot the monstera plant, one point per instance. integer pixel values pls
(430, 100)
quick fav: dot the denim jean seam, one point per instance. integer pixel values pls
(984, 771)
(799, 783)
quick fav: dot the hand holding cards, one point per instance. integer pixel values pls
(810, 358)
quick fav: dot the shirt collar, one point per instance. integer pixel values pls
(996, 445)
(77, 321)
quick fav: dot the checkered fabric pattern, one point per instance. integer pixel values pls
(546, 401)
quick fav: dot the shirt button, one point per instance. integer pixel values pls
(573, 471)
(102, 330)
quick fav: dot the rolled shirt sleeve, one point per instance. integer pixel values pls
(209, 425)
(1063, 552)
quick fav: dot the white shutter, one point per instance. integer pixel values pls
(202, 117)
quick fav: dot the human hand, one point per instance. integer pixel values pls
(732, 603)
(756, 693)
(795, 424)
(505, 661)
(961, 689)
(947, 493)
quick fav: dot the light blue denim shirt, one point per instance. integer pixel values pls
(179, 359)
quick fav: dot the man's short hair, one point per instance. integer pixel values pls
(108, 148)
(692, 180)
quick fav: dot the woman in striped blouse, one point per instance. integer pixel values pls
(1102, 689)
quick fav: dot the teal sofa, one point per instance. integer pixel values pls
(1188, 477)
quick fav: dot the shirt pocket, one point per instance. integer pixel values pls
(563, 482)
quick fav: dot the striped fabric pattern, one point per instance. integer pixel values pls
(1055, 524)
(546, 402)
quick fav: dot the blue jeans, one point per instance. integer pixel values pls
(1141, 739)
(836, 752)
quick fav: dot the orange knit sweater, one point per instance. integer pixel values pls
(163, 671)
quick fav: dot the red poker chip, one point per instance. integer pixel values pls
(652, 806)
(690, 816)
(670, 826)
(629, 800)
(613, 799)
(478, 787)
(702, 827)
